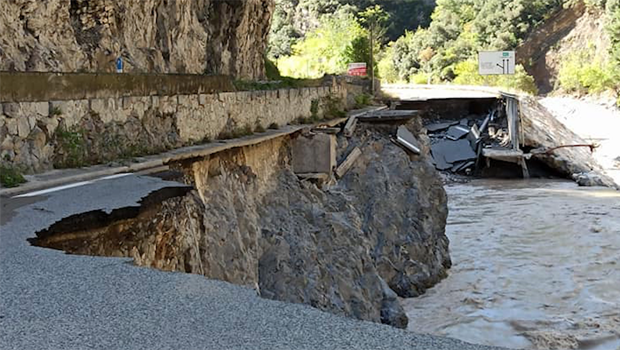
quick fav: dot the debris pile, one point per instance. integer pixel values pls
(456, 145)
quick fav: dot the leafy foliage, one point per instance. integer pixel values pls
(590, 71)
(467, 74)
(72, 144)
(327, 49)
(461, 28)
(584, 72)
(10, 177)
(293, 19)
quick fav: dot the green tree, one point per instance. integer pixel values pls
(374, 19)
(325, 50)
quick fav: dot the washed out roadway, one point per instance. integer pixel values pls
(51, 300)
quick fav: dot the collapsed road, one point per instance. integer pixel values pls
(301, 238)
(269, 217)
(490, 133)
(51, 300)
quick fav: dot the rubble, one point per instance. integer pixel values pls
(517, 130)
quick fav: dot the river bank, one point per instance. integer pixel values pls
(534, 266)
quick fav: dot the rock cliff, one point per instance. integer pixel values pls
(156, 36)
(350, 248)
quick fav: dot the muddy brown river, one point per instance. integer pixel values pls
(536, 264)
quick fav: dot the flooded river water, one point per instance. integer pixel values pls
(536, 264)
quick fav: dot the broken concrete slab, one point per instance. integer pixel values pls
(348, 163)
(331, 131)
(406, 138)
(388, 116)
(460, 150)
(456, 132)
(438, 126)
(440, 162)
(349, 127)
(462, 166)
(314, 154)
(504, 155)
(447, 152)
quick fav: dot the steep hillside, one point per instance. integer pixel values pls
(182, 36)
(569, 31)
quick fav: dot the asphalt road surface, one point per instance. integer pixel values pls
(51, 300)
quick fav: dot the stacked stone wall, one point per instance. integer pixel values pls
(38, 136)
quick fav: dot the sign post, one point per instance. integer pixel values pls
(496, 62)
(119, 65)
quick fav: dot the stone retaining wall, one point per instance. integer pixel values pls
(38, 136)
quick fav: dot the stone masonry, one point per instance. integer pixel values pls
(38, 136)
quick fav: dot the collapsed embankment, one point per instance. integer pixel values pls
(349, 247)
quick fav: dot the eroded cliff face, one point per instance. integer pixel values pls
(569, 31)
(349, 248)
(156, 36)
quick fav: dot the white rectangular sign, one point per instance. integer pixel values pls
(496, 62)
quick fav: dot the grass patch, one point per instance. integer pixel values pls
(280, 83)
(314, 108)
(259, 129)
(273, 126)
(362, 101)
(55, 111)
(10, 177)
(72, 143)
(236, 133)
(333, 107)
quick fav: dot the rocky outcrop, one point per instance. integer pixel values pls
(350, 248)
(157, 36)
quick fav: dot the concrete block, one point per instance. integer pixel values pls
(314, 154)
